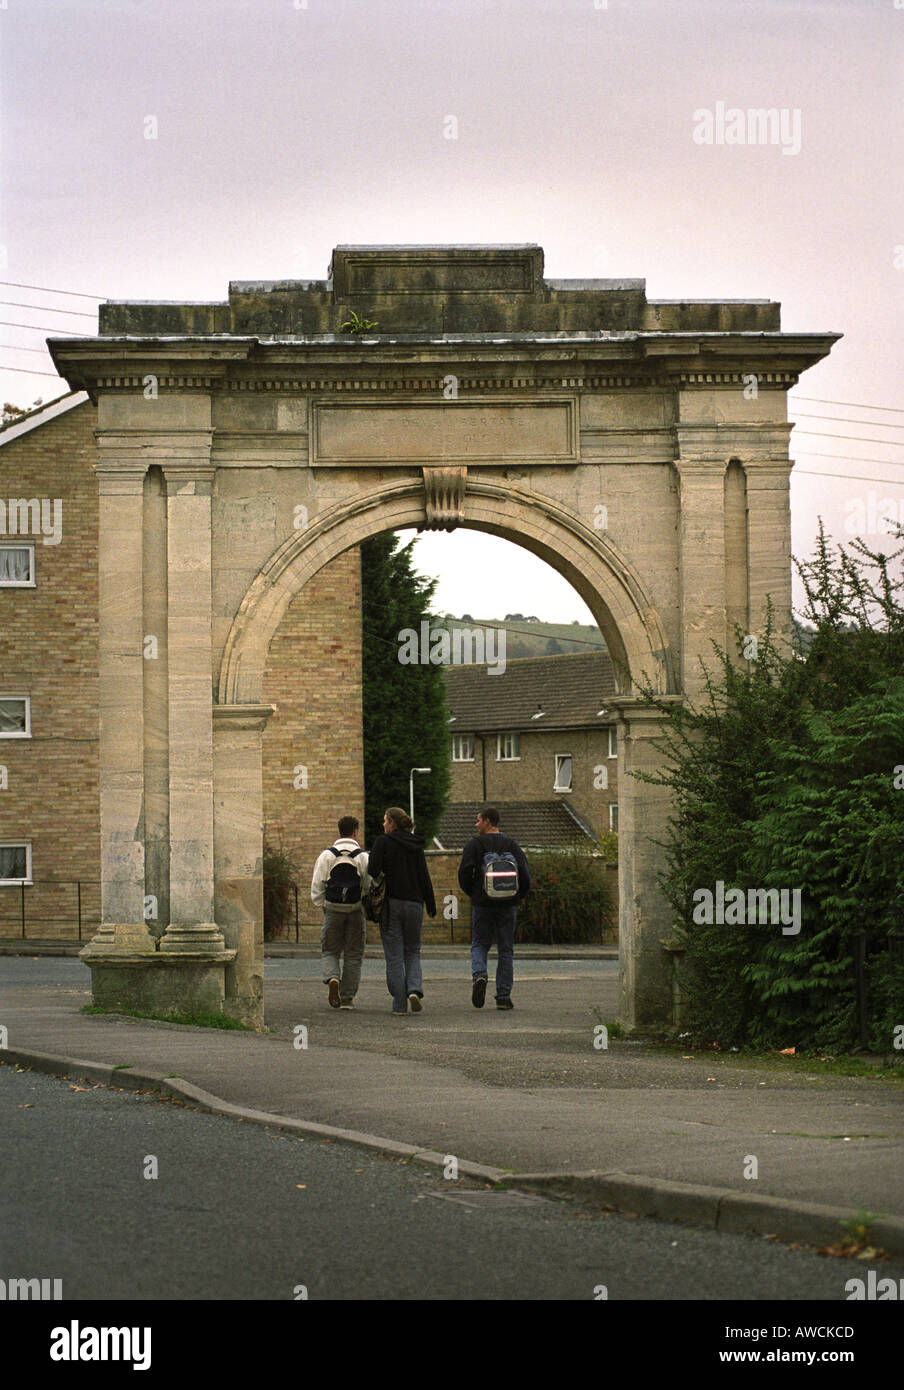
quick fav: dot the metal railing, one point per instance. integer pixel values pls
(48, 902)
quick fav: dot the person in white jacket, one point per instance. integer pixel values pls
(339, 882)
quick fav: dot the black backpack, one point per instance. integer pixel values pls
(344, 882)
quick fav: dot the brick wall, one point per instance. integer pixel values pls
(48, 650)
(313, 677)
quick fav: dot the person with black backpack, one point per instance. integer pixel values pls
(340, 879)
(495, 875)
(398, 854)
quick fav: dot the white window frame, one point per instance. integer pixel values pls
(19, 733)
(613, 741)
(501, 755)
(28, 583)
(457, 741)
(18, 844)
(613, 816)
(560, 758)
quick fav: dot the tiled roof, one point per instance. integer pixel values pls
(571, 690)
(534, 824)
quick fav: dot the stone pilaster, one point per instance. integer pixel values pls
(121, 666)
(192, 927)
(701, 561)
(645, 979)
(238, 851)
(769, 544)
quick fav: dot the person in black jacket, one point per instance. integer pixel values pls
(399, 854)
(491, 918)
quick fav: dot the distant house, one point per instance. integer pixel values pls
(539, 742)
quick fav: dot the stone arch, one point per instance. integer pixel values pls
(591, 562)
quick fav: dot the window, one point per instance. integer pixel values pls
(17, 567)
(613, 815)
(463, 748)
(563, 773)
(15, 716)
(508, 747)
(15, 861)
(613, 741)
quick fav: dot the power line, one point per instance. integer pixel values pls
(817, 473)
(854, 438)
(14, 284)
(26, 371)
(16, 347)
(849, 420)
(852, 405)
(840, 458)
(70, 313)
(40, 328)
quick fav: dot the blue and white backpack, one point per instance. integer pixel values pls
(500, 875)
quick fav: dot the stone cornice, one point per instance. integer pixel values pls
(582, 361)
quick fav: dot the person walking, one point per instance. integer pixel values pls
(399, 854)
(340, 878)
(495, 875)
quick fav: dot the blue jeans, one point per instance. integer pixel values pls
(485, 923)
(400, 930)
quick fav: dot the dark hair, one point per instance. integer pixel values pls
(491, 814)
(400, 819)
(347, 825)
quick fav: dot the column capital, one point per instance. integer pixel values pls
(712, 444)
(643, 718)
(228, 717)
(120, 479)
(180, 473)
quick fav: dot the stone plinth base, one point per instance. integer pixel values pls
(167, 984)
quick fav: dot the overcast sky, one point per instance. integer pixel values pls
(285, 127)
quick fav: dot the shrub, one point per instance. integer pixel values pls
(280, 871)
(789, 776)
(570, 900)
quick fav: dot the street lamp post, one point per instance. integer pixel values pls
(411, 788)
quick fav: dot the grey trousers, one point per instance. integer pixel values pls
(343, 935)
(400, 929)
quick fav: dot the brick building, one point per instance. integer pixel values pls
(50, 695)
(538, 741)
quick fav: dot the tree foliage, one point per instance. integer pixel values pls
(405, 714)
(790, 775)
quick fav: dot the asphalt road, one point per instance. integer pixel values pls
(240, 1212)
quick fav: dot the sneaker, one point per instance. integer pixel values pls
(334, 993)
(415, 1001)
(504, 1004)
(346, 1004)
(479, 991)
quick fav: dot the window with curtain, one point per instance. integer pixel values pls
(15, 862)
(14, 716)
(563, 773)
(463, 748)
(508, 747)
(17, 564)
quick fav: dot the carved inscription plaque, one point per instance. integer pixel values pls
(460, 432)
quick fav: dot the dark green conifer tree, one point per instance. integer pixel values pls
(405, 714)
